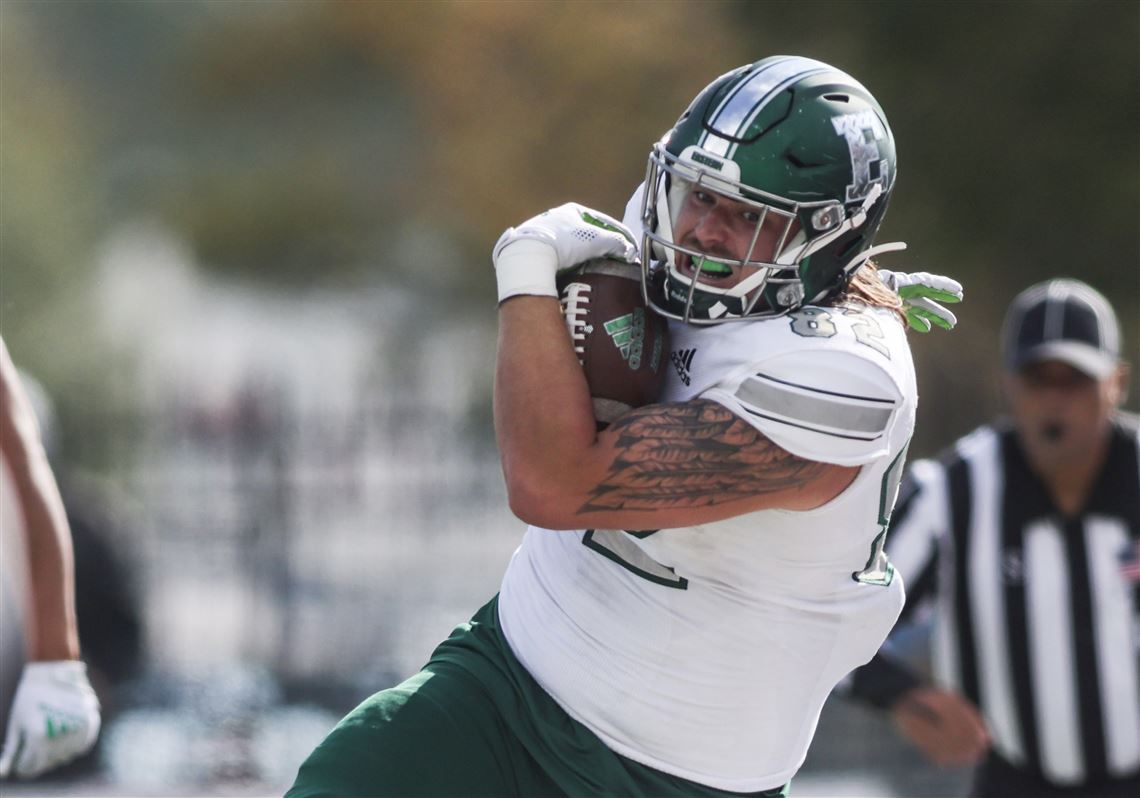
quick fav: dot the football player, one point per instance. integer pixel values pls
(54, 716)
(697, 577)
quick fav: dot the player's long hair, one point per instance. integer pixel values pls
(865, 287)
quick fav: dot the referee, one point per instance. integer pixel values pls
(1023, 540)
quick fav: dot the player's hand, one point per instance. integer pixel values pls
(943, 725)
(921, 294)
(529, 257)
(54, 719)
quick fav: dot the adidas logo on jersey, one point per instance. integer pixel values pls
(683, 362)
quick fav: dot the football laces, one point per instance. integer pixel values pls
(575, 301)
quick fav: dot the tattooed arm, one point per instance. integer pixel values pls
(657, 467)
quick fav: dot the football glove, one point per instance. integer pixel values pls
(55, 718)
(529, 257)
(921, 294)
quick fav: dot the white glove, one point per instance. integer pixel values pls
(921, 292)
(529, 257)
(55, 718)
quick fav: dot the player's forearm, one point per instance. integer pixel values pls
(51, 602)
(53, 633)
(544, 419)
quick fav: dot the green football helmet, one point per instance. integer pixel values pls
(798, 151)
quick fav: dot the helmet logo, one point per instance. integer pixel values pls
(862, 132)
(701, 158)
(693, 161)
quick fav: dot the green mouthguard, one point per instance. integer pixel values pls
(712, 267)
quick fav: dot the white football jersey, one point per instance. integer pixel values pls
(707, 652)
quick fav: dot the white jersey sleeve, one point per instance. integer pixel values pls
(827, 384)
(827, 406)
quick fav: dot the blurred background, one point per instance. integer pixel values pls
(244, 250)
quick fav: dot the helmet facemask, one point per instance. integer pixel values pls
(732, 281)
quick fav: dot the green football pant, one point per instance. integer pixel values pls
(474, 724)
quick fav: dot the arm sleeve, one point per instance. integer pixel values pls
(825, 405)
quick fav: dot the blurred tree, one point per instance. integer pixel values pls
(299, 177)
(302, 144)
(47, 207)
(315, 138)
(1018, 158)
(527, 105)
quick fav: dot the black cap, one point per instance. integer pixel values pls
(1063, 320)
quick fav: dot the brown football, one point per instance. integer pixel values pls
(622, 344)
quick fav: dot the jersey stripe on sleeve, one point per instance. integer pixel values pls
(837, 414)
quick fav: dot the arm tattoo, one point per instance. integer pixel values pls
(693, 454)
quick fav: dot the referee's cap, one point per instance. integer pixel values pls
(1063, 320)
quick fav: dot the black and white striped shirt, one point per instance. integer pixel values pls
(1035, 614)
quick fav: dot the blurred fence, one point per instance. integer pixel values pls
(287, 563)
(332, 546)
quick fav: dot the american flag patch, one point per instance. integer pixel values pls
(1129, 561)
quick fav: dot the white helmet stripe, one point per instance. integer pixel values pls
(736, 111)
(736, 104)
(775, 90)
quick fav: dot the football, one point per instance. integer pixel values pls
(621, 343)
